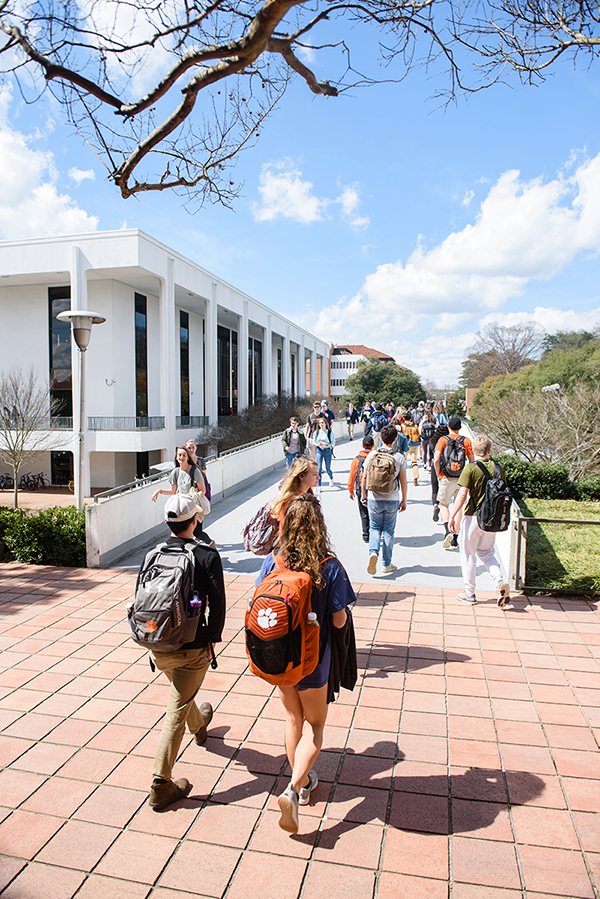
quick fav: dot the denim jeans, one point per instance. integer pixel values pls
(289, 458)
(382, 525)
(324, 458)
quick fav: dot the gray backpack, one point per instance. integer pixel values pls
(162, 617)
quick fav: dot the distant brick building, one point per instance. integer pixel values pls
(343, 362)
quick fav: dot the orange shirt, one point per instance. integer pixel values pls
(442, 443)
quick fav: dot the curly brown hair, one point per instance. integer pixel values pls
(304, 541)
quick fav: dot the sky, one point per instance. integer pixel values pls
(379, 217)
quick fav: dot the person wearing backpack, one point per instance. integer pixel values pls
(324, 440)
(411, 430)
(474, 541)
(426, 430)
(186, 477)
(305, 548)
(186, 665)
(293, 442)
(450, 457)
(354, 488)
(383, 478)
(377, 421)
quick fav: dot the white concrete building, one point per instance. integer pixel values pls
(179, 347)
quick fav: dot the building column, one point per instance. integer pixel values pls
(313, 371)
(324, 379)
(286, 381)
(301, 376)
(210, 364)
(242, 384)
(168, 354)
(79, 300)
(268, 358)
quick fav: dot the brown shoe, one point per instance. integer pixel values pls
(162, 795)
(206, 713)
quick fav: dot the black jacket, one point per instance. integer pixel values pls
(208, 581)
(344, 669)
(285, 440)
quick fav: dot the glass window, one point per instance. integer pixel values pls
(141, 357)
(184, 361)
(61, 381)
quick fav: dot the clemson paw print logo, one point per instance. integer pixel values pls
(266, 618)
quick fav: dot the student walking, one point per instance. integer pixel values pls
(474, 542)
(302, 477)
(450, 457)
(293, 442)
(324, 440)
(304, 546)
(351, 416)
(312, 423)
(426, 430)
(384, 478)
(354, 488)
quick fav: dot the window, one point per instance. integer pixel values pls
(141, 357)
(254, 370)
(61, 381)
(279, 371)
(184, 362)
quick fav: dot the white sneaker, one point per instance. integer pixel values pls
(389, 568)
(288, 806)
(447, 540)
(372, 566)
(503, 594)
(331, 482)
(304, 794)
(468, 598)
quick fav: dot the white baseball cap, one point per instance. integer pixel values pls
(180, 508)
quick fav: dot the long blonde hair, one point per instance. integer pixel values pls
(291, 486)
(303, 540)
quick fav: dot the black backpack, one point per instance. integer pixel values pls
(428, 430)
(357, 487)
(494, 513)
(453, 458)
(161, 616)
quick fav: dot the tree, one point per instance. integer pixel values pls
(501, 350)
(25, 410)
(529, 36)
(566, 340)
(384, 382)
(236, 58)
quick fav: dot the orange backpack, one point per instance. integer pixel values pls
(282, 646)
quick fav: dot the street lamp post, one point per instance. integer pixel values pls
(81, 328)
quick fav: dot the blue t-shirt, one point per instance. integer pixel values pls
(334, 595)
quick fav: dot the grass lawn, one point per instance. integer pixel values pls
(563, 556)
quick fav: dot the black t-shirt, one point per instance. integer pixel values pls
(208, 581)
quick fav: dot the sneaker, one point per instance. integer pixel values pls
(469, 598)
(436, 513)
(372, 566)
(206, 713)
(365, 539)
(331, 482)
(447, 540)
(416, 482)
(288, 806)
(304, 794)
(503, 594)
(389, 568)
(164, 794)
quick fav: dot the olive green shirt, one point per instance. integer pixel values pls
(474, 479)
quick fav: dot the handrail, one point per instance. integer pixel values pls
(521, 524)
(132, 485)
(245, 446)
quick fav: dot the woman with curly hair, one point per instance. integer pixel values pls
(304, 546)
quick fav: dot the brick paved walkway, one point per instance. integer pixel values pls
(465, 763)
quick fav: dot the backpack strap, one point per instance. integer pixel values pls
(488, 476)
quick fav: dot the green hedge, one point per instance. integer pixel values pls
(54, 536)
(549, 481)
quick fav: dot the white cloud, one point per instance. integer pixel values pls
(284, 194)
(468, 197)
(30, 204)
(549, 318)
(78, 175)
(523, 231)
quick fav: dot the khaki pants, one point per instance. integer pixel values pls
(185, 670)
(413, 452)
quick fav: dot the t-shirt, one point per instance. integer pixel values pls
(313, 422)
(183, 479)
(442, 443)
(474, 479)
(335, 595)
(401, 465)
(294, 446)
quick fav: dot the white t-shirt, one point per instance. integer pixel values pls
(401, 465)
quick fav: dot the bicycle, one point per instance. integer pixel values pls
(6, 482)
(41, 480)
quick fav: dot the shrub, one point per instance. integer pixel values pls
(54, 536)
(588, 488)
(545, 481)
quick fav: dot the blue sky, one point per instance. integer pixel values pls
(376, 218)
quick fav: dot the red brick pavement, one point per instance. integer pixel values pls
(464, 764)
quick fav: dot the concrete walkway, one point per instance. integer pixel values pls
(465, 763)
(418, 551)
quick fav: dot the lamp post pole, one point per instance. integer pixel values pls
(81, 329)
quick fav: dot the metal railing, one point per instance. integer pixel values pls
(133, 485)
(59, 422)
(245, 446)
(126, 423)
(522, 523)
(192, 421)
